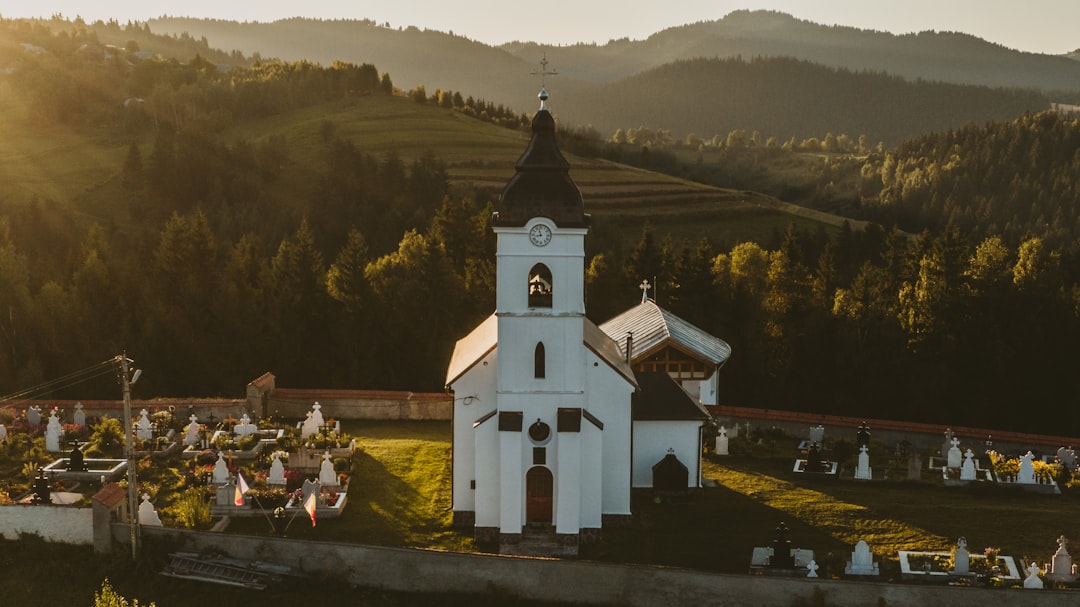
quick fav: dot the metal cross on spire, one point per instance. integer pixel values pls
(544, 73)
(644, 286)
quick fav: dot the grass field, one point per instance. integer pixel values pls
(400, 496)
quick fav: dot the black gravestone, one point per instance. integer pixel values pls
(863, 437)
(42, 492)
(75, 461)
(781, 556)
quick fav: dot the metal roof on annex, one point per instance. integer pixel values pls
(652, 327)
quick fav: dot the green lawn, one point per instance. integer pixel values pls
(400, 496)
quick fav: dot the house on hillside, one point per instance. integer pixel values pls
(556, 419)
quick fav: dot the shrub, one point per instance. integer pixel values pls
(191, 510)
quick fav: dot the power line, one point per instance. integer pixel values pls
(76, 377)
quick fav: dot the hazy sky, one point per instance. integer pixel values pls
(1043, 26)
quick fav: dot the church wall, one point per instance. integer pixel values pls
(518, 337)
(474, 397)
(652, 439)
(592, 478)
(609, 401)
(486, 494)
(564, 256)
(568, 483)
(511, 482)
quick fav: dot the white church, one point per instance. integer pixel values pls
(557, 419)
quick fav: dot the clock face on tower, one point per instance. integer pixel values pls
(540, 235)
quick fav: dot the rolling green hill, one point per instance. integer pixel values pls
(79, 167)
(805, 79)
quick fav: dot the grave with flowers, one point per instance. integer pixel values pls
(959, 565)
(241, 438)
(1027, 472)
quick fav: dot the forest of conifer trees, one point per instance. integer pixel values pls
(963, 313)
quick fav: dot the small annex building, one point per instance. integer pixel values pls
(554, 419)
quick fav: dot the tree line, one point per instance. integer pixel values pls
(369, 282)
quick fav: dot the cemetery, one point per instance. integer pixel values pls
(189, 473)
(875, 518)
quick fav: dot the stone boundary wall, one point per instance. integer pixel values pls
(921, 435)
(63, 524)
(578, 582)
(289, 403)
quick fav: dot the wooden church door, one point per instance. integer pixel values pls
(539, 486)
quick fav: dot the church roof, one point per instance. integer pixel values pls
(542, 186)
(470, 349)
(485, 337)
(654, 327)
(661, 398)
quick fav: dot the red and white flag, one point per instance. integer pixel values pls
(241, 489)
(309, 505)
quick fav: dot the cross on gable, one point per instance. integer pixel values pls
(644, 286)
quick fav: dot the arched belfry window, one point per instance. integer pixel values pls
(539, 361)
(539, 286)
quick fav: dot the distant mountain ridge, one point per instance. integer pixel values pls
(947, 56)
(439, 60)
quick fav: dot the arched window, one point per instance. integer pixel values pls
(539, 286)
(539, 362)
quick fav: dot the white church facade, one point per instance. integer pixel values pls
(554, 420)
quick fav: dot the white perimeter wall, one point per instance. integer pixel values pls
(652, 441)
(63, 524)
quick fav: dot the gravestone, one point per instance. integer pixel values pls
(815, 462)
(862, 470)
(1027, 469)
(221, 470)
(277, 471)
(862, 438)
(781, 550)
(33, 416)
(1033, 580)
(1061, 566)
(812, 567)
(327, 475)
(52, 434)
(192, 436)
(914, 466)
(310, 487)
(949, 436)
(722, 442)
(76, 461)
(245, 427)
(226, 493)
(309, 427)
(956, 457)
(316, 414)
(42, 491)
(143, 429)
(1067, 457)
(817, 434)
(862, 561)
(79, 416)
(961, 558)
(147, 514)
(967, 471)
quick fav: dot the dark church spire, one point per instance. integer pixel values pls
(542, 186)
